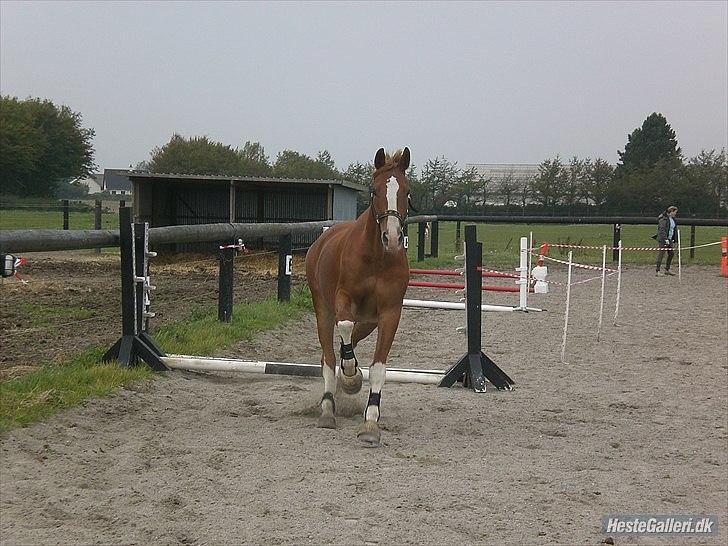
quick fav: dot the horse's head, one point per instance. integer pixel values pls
(390, 197)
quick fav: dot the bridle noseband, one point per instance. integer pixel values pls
(388, 212)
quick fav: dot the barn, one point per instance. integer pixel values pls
(179, 199)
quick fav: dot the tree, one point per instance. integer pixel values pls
(196, 155)
(437, 181)
(709, 171)
(41, 144)
(654, 141)
(68, 189)
(290, 164)
(507, 187)
(253, 160)
(646, 190)
(600, 175)
(572, 180)
(361, 173)
(467, 189)
(547, 186)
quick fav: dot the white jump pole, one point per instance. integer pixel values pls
(523, 274)
(198, 364)
(601, 299)
(451, 305)
(566, 313)
(619, 281)
(679, 258)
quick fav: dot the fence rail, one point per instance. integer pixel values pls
(38, 240)
(627, 220)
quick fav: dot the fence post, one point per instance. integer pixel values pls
(285, 267)
(225, 286)
(65, 214)
(692, 241)
(615, 241)
(457, 236)
(421, 241)
(97, 220)
(434, 239)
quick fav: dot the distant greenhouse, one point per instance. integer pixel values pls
(499, 171)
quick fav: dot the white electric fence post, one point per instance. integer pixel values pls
(566, 313)
(601, 300)
(679, 258)
(523, 278)
(619, 282)
(530, 251)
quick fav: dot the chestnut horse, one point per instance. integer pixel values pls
(358, 272)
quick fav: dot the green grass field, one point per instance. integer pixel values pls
(39, 219)
(501, 243)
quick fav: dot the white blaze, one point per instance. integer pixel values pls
(392, 225)
(392, 187)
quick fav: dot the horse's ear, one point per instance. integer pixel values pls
(379, 159)
(404, 161)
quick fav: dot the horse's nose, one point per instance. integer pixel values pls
(385, 239)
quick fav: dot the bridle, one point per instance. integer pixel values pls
(390, 212)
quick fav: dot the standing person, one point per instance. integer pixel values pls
(666, 235)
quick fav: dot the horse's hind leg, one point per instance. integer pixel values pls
(328, 368)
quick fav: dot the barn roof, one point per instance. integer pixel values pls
(116, 179)
(144, 175)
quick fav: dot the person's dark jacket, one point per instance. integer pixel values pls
(663, 228)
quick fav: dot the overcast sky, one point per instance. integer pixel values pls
(475, 82)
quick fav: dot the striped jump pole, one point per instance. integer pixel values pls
(455, 273)
(205, 364)
(452, 305)
(454, 286)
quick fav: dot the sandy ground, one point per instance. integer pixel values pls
(634, 424)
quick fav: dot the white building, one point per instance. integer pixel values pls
(94, 183)
(116, 182)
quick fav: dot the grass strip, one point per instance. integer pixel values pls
(203, 333)
(54, 387)
(57, 386)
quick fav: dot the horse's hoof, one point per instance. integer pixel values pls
(326, 421)
(351, 384)
(369, 434)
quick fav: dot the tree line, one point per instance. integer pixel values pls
(43, 146)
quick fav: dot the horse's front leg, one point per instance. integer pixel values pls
(369, 432)
(349, 374)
